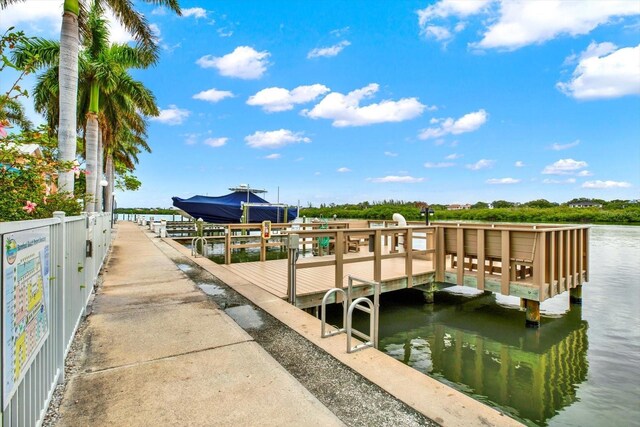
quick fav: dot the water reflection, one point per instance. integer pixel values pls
(483, 349)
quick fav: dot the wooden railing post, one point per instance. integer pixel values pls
(263, 248)
(339, 253)
(440, 254)
(560, 264)
(505, 260)
(460, 256)
(539, 263)
(574, 258)
(377, 256)
(586, 254)
(227, 245)
(552, 264)
(408, 260)
(481, 259)
(567, 260)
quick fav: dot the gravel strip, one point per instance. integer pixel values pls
(351, 397)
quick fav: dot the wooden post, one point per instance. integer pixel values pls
(560, 264)
(505, 260)
(441, 261)
(532, 309)
(539, 260)
(575, 295)
(460, 256)
(481, 260)
(408, 260)
(586, 255)
(567, 260)
(580, 255)
(339, 253)
(552, 264)
(429, 293)
(263, 249)
(227, 245)
(377, 256)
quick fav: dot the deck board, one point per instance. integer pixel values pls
(315, 282)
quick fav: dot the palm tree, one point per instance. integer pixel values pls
(102, 69)
(133, 21)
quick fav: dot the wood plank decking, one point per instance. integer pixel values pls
(313, 283)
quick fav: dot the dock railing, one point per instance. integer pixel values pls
(381, 243)
(76, 248)
(534, 262)
(243, 236)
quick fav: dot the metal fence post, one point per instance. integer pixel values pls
(61, 281)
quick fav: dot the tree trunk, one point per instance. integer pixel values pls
(68, 82)
(99, 176)
(108, 202)
(91, 138)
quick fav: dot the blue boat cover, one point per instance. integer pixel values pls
(228, 209)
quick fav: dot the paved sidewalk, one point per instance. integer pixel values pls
(158, 352)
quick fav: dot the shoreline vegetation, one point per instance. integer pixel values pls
(539, 211)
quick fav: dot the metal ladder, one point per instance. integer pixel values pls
(194, 247)
(362, 304)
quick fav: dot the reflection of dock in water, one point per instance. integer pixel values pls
(479, 346)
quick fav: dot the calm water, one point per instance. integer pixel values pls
(581, 368)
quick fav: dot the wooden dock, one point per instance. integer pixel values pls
(531, 261)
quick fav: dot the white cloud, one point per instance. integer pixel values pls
(395, 178)
(519, 164)
(339, 32)
(273, 156)
(216, 142)
(502, 181)
(481, 164)
(172, 116)
(468, 123)
(513, 24)
(343, 170)
(196, 12)
(390, 154)
(557, 181)
(275, 99)
(243, 63)
(40, 16)
(564, 167)
(454, 156)
(328, 51)
(213, 95)
(534, 22)
(275, 138)
(430, 165)
(584, 173)
(560, 147)
(191, 138)
(437, 32)
(159, 11)
(345, 110)
(604, 72)
(605, 184)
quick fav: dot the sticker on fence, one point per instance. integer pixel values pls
(25, 303)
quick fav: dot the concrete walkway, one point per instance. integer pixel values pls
(158, 352)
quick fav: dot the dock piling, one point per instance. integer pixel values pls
(532, 310)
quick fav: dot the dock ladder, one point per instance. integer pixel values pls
(194, 246)
(348, 307)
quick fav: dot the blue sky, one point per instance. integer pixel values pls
(443, 102)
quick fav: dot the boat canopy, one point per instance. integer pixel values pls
(228, 209)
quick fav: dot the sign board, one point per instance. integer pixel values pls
(25, 303)
(266, 229)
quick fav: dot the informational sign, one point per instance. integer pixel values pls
(25, 303)
(266, 229)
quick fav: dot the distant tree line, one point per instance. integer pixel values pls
(540, 210)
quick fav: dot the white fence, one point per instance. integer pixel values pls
(78, 246)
